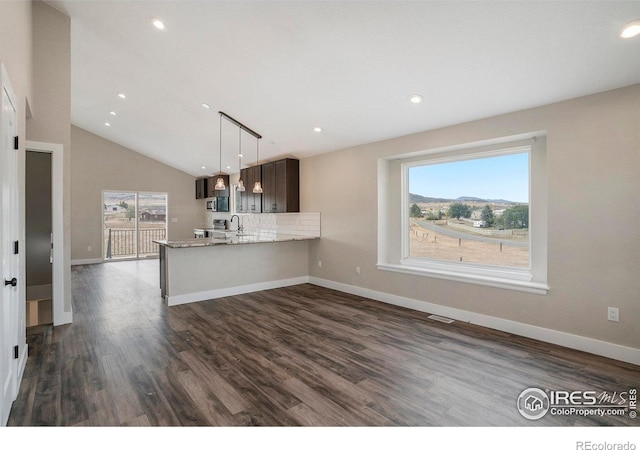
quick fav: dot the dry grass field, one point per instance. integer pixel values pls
(430, 244)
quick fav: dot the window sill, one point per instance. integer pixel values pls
(484, 280)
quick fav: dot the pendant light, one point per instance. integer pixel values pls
(240, 186)
(220, 181)
(257, 188)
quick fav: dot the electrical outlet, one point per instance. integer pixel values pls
(319, 263)
(174, 220)
(357, 270)
(613, 314)
(89, 249)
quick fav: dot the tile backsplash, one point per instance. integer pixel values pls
(298, 224)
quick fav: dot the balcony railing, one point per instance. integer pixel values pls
(122, 242)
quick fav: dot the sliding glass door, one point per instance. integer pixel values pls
(131, 222)
(152, 222)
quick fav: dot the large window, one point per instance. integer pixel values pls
(474, 212)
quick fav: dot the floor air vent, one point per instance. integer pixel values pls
(441, 319)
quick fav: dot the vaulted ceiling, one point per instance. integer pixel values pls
(349, 67)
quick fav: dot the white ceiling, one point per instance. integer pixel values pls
(283, 68)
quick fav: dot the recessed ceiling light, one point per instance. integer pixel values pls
(159, 24)
(203, 167)
(206, 106)
(317, 129)
(415, 98)
(228, 167)
(121, 95)
(631, 29)
(107, 124)
(240, 155)
(113, 113)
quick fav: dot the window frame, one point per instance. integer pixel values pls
(532, 279)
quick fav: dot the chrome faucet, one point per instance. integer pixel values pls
(239, 225)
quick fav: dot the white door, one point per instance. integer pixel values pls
(9, 264)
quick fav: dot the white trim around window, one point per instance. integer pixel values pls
(393, 221)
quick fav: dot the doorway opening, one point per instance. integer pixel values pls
(39, 238)
(131, 222)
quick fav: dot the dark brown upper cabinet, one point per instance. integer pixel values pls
(281, 186)
(250, 202)
(201, 188)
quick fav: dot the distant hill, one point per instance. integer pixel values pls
(415, 198)
(488, 200)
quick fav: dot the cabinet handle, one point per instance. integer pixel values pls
(13, 282)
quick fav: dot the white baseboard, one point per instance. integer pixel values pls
(80, 262)
(585, 344)
(236, 290)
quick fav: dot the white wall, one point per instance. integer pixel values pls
(51, 106)
(593, 162)
(98, 164)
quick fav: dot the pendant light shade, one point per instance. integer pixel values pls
(240, 185)
(220, 184)
(257, 187)
(220, 181)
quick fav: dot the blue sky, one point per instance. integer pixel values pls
(500, 177)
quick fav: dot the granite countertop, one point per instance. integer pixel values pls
(249, 237)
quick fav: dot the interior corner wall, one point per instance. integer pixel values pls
(593, 162)
(98, 164)
(51, 106)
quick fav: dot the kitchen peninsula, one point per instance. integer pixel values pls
(270, 252)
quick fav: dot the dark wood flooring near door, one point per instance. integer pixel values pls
(301, 355)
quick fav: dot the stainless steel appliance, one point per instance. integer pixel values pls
(218, 204)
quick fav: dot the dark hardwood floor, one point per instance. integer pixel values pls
(302, 355)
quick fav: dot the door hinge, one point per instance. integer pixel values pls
(16, 352)
(15, 143)
(15, 247)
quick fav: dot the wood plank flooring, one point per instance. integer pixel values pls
(301, 355)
